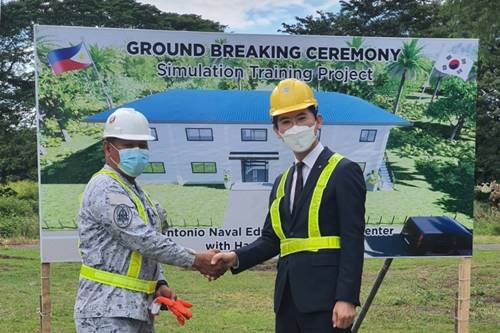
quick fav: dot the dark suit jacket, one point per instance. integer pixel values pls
(317, 279)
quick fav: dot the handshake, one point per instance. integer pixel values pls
(213, 263)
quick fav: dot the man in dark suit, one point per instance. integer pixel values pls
(315, 223)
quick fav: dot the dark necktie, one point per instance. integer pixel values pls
(299, 183)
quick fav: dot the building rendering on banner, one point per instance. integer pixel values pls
(208, 136)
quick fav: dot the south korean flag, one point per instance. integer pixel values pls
(451, 64)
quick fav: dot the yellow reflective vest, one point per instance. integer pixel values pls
(131, 280)
(314, 241)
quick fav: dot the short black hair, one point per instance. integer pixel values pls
(312, 108)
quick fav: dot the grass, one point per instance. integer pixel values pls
(412, 195)
(486, 222)
(486, 239)
(416, 296)
(60, 204)
(185, 205)
(191, 204)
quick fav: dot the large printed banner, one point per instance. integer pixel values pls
(401, 108)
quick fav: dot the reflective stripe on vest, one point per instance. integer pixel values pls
(314, 241)
(275, 207)
(131, 280)
(117, 280)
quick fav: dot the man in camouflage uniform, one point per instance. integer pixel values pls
(120, 237)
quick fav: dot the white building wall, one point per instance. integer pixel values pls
(345, 140)
(177, 153)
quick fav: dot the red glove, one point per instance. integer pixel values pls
(179, 308)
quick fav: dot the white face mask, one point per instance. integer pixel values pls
(299, 138)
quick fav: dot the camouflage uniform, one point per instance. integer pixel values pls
(110, 228)
(113, 325)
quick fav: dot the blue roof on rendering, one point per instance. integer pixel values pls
(248, 106)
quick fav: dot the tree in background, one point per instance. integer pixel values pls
(410, 64)
(16, 104)
(390, 18)
(18, 151)
(479, 19)
(17, 90)
(456, 106)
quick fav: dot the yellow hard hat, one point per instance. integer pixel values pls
(291, 95)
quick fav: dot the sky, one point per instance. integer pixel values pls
(247, 16)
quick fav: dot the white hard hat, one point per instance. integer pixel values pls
(127, 124)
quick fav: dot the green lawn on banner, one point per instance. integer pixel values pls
(193, 205)
(190, 205)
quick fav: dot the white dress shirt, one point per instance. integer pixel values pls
(308, 161)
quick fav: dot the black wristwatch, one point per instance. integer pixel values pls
(160, 283)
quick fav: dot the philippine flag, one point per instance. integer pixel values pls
(69, 59)
(454, 65)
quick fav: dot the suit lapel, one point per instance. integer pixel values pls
(311, 181)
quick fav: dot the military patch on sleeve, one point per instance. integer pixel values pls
(122, 216)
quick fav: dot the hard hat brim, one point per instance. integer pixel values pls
(132, 137)
(292, 108)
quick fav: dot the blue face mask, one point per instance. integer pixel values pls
(133, 160)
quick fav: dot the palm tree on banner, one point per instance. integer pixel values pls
(411, 62)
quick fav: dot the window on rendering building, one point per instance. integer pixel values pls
(253, 134)
(153, 133)
(367, 135)
(199, 134)
(154, 167)
(203, 167)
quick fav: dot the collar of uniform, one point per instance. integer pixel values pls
(132, 185)
(313, 155)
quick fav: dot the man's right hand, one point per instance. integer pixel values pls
(203, 263)
(226, 259)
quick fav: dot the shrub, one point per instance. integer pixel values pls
(486, 221)
(13, 206)
(25, 189)
(489, 192)
(6, 191)
(16, 226)
(18, 217)
(411, 111)
(418, 142)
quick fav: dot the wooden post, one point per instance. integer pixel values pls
(45, 304)
(463, 298)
